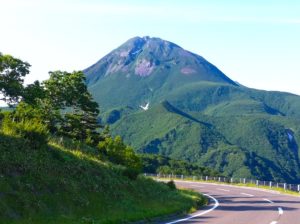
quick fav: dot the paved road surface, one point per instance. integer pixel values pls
(240, 205)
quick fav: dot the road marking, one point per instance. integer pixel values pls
(198, 214)
(280, 211)
(265, 199)
(196, 186)
(250, 195)
(221, 189)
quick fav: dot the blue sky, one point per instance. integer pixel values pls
(253, 42)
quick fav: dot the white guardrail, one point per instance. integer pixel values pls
(258, 183)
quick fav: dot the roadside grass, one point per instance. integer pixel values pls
(65, 183)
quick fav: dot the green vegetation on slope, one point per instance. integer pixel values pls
(55, 184)
(251, 146)
(58, 165)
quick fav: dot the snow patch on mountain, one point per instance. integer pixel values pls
(146, 107)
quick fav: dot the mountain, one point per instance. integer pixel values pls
(146, 69)
(165, 100)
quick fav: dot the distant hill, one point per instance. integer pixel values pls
(165, 100)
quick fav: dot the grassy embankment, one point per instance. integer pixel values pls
(68, 183)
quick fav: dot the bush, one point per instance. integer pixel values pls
(171, 185)
(33, 131)
(119, 153)
(1, 115)
(132, 174)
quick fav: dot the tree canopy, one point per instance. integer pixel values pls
(12, 73)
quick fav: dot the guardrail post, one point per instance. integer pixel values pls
(193, 178)
(244, 180)
(299, 188)
(277, 185)
(284, 186)
(219, 179)
(257, 184)
(231, 180)
(206, 178)
(181, 177)
(270, 184)
(264, 183)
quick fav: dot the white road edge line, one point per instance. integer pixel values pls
(221, 189)
(198, 214)
(280, 211)
(250, 195)
(274, 222)
(265, 199)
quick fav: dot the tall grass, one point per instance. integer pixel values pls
(62, 184)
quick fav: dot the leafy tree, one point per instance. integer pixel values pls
(12, 73)
(34, 93)
(67, 93)
(69, 90)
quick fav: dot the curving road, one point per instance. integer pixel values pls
(241, 205)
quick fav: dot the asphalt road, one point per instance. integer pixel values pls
(241, 205)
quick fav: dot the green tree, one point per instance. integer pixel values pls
(34, 93)
(12, 73)
(78, 113)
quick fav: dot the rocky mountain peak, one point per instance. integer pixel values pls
(146, 56)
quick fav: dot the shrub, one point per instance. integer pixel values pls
(34, 132)
(132, 174)
(1, 115)
(119, 153)
(171, 185)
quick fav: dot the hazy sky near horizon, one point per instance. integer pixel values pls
(256, 43)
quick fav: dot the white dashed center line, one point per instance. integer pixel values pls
(265, 199)
(221, 189)
(196, 186)
(280, 211)
(250, 195)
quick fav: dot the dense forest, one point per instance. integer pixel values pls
(153, 164)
